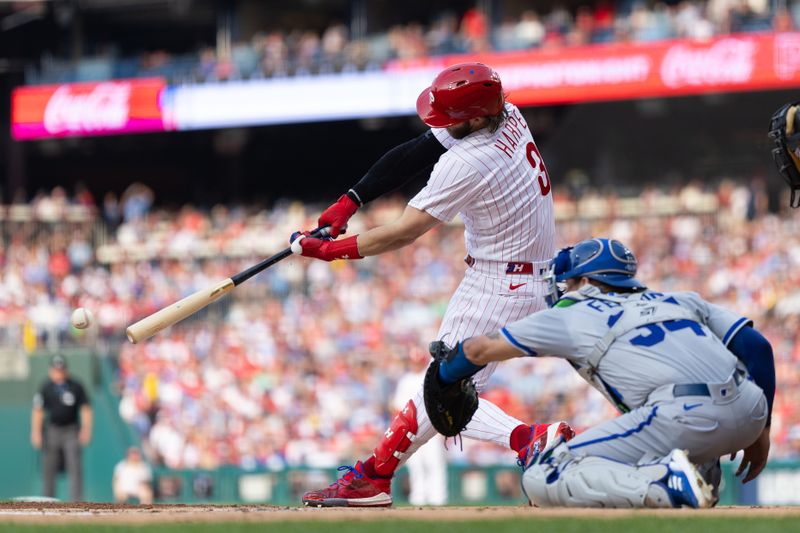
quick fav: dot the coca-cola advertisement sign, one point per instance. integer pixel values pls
(104, 108)
(787, 55)
(727, 61)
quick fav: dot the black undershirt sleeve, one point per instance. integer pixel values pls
(397, 167)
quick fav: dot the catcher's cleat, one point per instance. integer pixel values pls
(685, 485)
(353, 489)
(544, 438)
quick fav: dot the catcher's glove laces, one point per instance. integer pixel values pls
(457, 439)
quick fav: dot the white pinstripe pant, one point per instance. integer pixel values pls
(482, 304)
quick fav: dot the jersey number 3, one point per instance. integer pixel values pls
(536, 161)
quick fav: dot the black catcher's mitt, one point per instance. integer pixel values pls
(784, 128)
(449, 407)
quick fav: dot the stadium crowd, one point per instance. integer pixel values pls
(298, 367)
(303, 51)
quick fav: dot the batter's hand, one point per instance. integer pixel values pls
(337, 215)
(36, 440)
(324, 249)
(755, 456)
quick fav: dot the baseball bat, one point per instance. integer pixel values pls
(174, 313)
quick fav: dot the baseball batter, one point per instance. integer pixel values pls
(487, 168)
(693, 380)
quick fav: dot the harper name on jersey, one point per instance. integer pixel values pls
(499, 184)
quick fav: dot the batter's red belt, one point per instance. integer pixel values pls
(512, 268)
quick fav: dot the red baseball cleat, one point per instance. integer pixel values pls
(545, 437)
(354, 489)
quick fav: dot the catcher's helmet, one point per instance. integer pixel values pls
(605, 260)
(459, 93)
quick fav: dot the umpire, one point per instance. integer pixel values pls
(67, 429)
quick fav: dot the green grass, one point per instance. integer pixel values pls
(645, 524)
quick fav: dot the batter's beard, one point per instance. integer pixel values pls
(460, 130)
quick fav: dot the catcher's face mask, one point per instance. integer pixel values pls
(555, 289)
(784, 128)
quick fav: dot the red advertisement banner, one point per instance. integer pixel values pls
(79, 109)
(742, 62)
(733, 63)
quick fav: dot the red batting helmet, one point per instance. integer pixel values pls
(459, 93)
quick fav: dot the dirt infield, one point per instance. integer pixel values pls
(103, 513)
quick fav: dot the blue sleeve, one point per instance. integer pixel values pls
(457, 366)
(756, 353)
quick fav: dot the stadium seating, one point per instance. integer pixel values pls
(254, 381)
(306, 51)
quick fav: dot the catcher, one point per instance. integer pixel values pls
(692, 380)
(784, 129)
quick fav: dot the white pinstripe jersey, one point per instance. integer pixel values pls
(499, 184)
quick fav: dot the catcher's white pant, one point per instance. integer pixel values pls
(482, 304)
(708, 427)
(610, 465)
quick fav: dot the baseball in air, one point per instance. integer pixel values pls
(81, 318)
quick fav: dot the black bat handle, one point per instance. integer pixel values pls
(244, 275)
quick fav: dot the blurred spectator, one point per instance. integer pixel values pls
(112, 215)
(475, 30)
(442, 38)
(529, 30)
(334, 41)
(133, 479)
(795, 11)
(306, 46)
(50, 207)
(136, 202)
(691, 23)
(83, 196)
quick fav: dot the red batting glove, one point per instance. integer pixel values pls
(323, 249)
(337, 215)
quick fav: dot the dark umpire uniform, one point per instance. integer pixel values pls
(67, 429)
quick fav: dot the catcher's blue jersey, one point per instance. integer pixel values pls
(651, 339)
